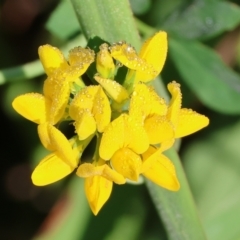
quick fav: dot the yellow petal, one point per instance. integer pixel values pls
(51, 58)
(80, 59)
(50, 170)
(86, 170)
(127, 163)
(154, 51)
(136, 137)
(123, 132)
(85, 125)
(32, 106)
(101, 110)
(104, 62)
(145, 101)
(83, 100)
(62, 146)
(127, 55)
(57, 90)
(175, 103)
(161, 171)
(158, 129)
(43, 133)
(190, 122)
(98, 189)
(116, 91)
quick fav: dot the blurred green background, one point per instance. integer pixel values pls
(204, 56)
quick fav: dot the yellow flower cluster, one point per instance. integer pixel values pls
(132, 124)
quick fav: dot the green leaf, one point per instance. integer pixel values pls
(177, 209)
(63, 22)
(202, 19)
(216, 85)
(213, 170)
(110, 20)
(139, 7)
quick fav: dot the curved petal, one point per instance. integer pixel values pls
(50, 170)
(32, 106)
(104, 62)
(158, 129)
(127, 55)
(62, 146)
(154, 50)
(127, 163)
(98, 189)
(101, 110)
(161, 171)
(190, 122)
(136, 136)
(123, 132)
(85, 125)
(57, 90)
(80, 59)
(51, 58)
(86, 170)
(113, 138)
(116, 91)
(145, 101)
(175, 103)
(83, 100)
(43, 133)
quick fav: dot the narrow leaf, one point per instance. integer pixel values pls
(207, 76)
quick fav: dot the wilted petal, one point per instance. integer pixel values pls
(190, 122)
(98, 189)
(116, 91)
(86, 170)
(51, 58)
(127, 163)
(49, 170)
(32, 106)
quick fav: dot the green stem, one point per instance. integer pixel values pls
(33, 69)
(111, 20)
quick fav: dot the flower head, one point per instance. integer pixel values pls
(131, 124)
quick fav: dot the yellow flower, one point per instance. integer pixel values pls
(148, 64)
(185, 121)
(122, 142)
(91, 111)
(115, 90)
(61, 162)
(151, 111)
(104, 62)
(50, 106)
(159, 169)
(98, 183)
